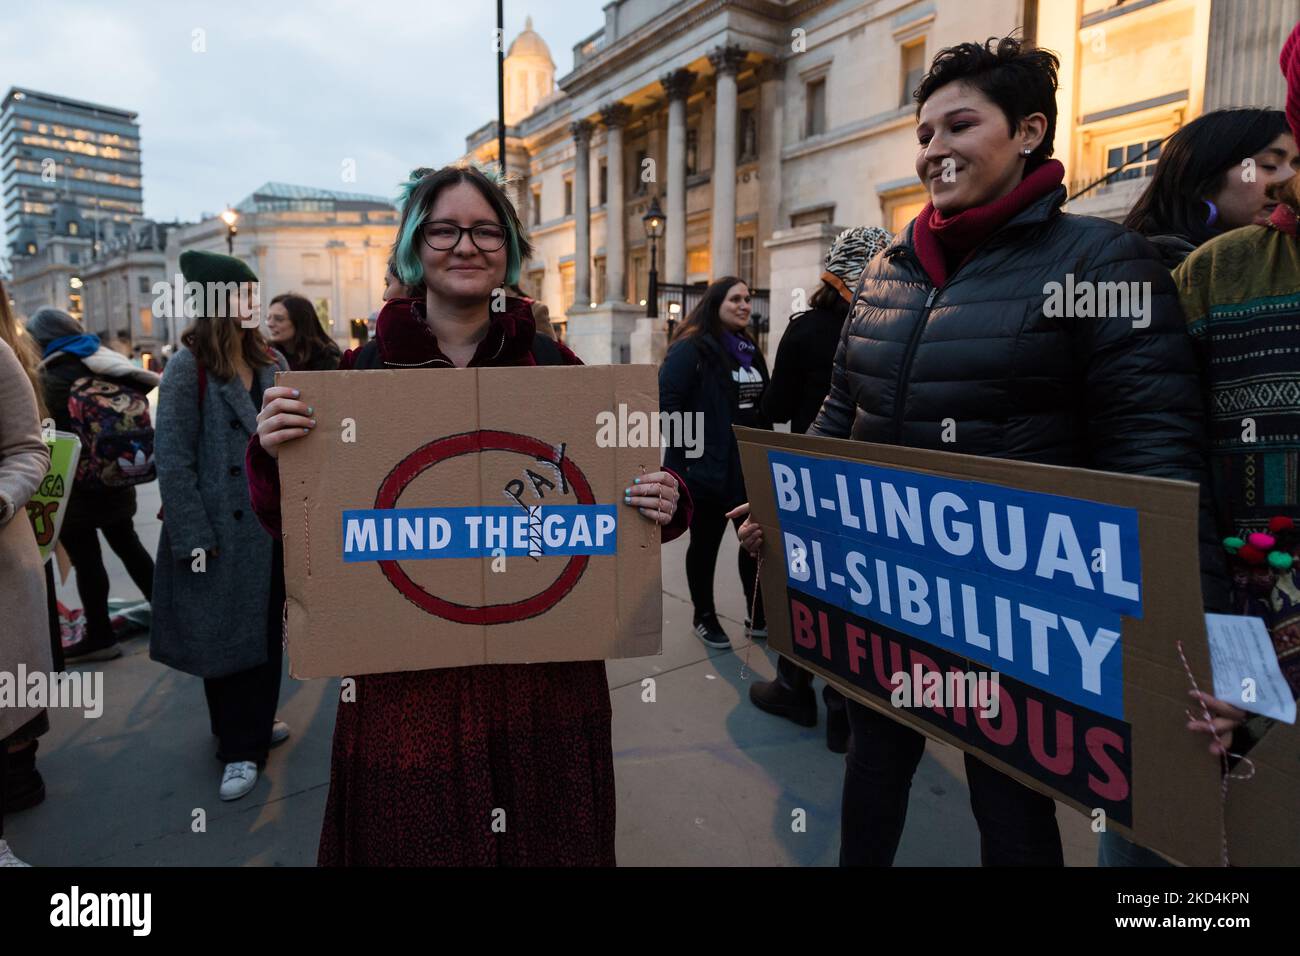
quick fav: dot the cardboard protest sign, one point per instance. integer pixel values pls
(467, 516)
(48, 506)
(1060, 592)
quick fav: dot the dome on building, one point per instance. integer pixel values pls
(529, 43)
(530, 74)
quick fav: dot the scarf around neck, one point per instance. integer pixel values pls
(741, 349)
(943, 243)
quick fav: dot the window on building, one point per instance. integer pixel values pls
(566, 286)
(1138, 165)
(745, 259)
(74, 229)
(692, 152)
(598, 279)
(815, 108)
(603, 175)
(642, 187)
(568, 197)
(534, 283)
(143, 284)
(911, 69)
(146, 322)
(747, 136)
(311, 267)
(639, 278)
(537, 205)
(358, 268)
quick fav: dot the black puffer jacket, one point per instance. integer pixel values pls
(1096, 393)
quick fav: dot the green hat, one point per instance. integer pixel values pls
(204, 267)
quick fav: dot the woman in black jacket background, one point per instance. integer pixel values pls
(715, 369)
(951, 345)
(801, 376)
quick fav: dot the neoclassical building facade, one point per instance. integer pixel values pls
(763, 128)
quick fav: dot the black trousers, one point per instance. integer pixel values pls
(708, 523)
(1017, 825)
(82, 544)
(241, 707)
(4, 770)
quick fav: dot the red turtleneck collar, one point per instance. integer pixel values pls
(942, 244)
(406, 339)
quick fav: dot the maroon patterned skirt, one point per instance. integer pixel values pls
(495, 765)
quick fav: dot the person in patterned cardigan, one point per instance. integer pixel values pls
(1241, 294)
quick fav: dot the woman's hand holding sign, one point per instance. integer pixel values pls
(654, 495)
(282, 418)
(750, 532)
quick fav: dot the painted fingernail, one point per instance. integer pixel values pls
(627, 500)
(313, 423)
(627, 491)
(296, 393)
(310, 409)
(636, 481)
(306, 431)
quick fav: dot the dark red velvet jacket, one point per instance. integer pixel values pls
(424, 761)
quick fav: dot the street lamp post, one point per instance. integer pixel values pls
(230, 217)
(654, 230)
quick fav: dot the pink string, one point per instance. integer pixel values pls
(1223, 756)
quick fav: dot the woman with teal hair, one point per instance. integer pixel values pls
(424, 761)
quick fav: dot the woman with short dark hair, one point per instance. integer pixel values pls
(293, 327)
(951, 338)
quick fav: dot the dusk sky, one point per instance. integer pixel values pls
(284, 91)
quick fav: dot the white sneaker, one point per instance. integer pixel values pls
(238, 779)
(279, 732)
(7, 857)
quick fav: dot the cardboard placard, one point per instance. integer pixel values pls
(467, 516)
(881, 559)
(47, 508)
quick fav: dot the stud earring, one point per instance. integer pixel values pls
(1028, 152)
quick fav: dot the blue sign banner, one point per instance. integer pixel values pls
(1031, 584)
(407, 534)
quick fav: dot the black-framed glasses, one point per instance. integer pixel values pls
(442, 235)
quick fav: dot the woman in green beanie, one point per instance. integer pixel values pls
(218, 584)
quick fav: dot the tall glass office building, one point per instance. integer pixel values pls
(55, 150)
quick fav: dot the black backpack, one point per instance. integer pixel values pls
(545, 352)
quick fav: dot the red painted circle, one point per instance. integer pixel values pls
(425, 457)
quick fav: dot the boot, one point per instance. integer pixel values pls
(837, 721)
(790, 695)
(24, 787)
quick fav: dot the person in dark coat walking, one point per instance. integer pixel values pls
(294, 330)
(423, 759)
(70, 354)
(219, 588)
(801, 378)
(951, 325)
(716, 371)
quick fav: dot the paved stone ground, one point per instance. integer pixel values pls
(704, 778)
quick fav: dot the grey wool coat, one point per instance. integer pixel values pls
(209, 619)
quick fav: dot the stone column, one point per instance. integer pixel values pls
(677, 85)
(581, 131)
(726, 61)
(615, 117)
